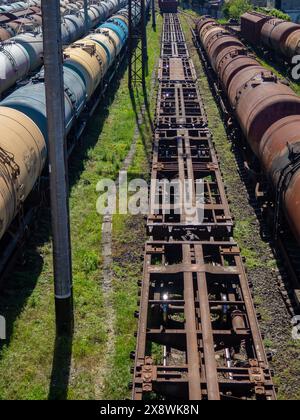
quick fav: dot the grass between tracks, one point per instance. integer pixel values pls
(33, 365)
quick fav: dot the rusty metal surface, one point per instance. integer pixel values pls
(233, 61)
(198, 336)
(179, 104)
(292, 44)
(204, 22)
(176, 69)
(218, 42)
(281, 36)
(260, 101)
(274, 33)
(188, 154)
(251, 25)
(211, 332)
(279, 154)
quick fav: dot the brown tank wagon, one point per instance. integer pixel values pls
(279, 35)
(275, 32)
(204, 22)
(259, 100)
(218, 43)
(279, 153)
(251, 25)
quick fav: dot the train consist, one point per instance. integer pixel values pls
(267, 110)
(23, 53)
(23, 121)
(276, 34)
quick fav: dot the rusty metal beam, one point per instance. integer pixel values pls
(193, 357)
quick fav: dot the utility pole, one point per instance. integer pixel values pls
(138, 56)
(86, 16)
(153, 15)
(53, 60)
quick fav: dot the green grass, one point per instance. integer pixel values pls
(29, 366)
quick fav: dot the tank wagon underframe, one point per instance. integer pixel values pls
(198, 336)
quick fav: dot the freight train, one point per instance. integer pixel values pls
(267, 110)
(30, 18)
(23, 119)
(276, 34)
(23, 53)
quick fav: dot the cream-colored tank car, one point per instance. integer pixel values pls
(111, 42)
(84, 59)
(21, 166)
(100, 52)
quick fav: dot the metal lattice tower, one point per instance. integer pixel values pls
(137, 43)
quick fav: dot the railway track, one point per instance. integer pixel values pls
(198, 336)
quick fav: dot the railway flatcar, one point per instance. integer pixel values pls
(281, 36)
(267, 110)
(168, 6)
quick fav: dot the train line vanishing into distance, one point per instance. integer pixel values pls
(198, 336)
